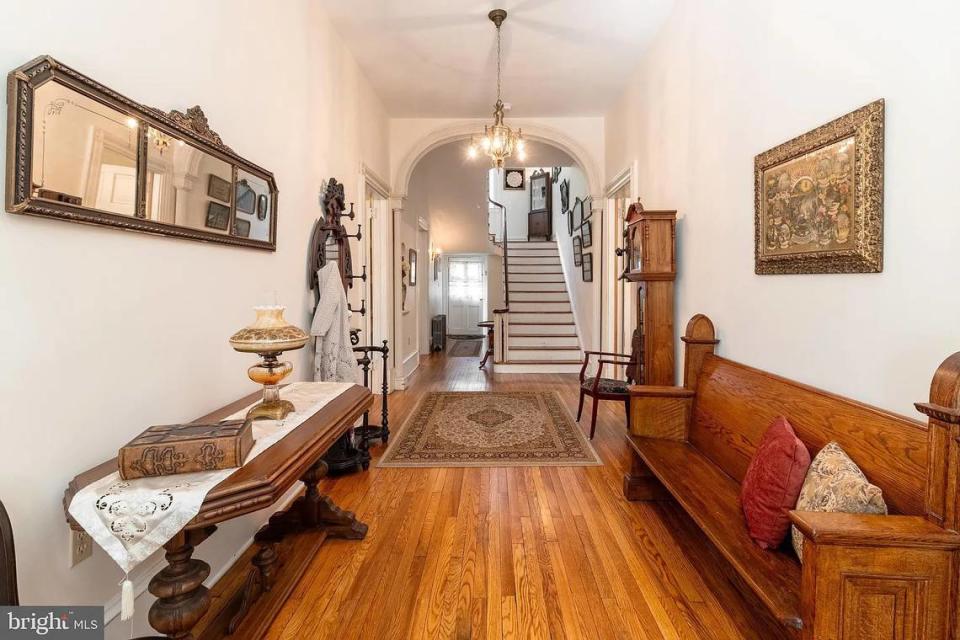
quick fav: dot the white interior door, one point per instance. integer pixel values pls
(117, 190)
(466, 286)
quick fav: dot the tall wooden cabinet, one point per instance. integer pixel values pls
(651, 263)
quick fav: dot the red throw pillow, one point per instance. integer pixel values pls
(772, 484)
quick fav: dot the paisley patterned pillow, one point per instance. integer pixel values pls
(835, 484)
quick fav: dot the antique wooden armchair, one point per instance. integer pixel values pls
(600, 388)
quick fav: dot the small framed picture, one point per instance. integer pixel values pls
(514, 179)
(587, 267)
(246, 198)
(577, 251)
(218, 216)
(586, 210)
(241, 228)
(576, 214)
(413, 268)
(263, 203)
(218, 188)
(564, 195)
(586, 230)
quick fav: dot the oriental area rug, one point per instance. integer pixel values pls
(490, 429)
(465, 349)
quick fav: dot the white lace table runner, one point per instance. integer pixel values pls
(131, 519)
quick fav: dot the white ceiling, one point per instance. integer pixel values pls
(437, 58)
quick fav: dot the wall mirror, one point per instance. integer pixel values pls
(79, 151)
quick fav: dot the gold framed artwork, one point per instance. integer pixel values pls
(818, 199)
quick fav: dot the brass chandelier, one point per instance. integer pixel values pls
(498, 141)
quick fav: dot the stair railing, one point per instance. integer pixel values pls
(501, 326)
(506, 263)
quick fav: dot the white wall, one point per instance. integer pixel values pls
(583, 295)
(725, 81)
(117, 331)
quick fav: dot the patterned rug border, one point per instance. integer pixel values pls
(395, 439)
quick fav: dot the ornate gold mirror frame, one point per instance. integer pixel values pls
(190, 128)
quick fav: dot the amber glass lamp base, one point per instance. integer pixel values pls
(269, 372)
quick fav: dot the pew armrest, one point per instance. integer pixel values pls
(865, 576)
(660, 412)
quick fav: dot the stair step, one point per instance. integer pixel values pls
(541, 328)
(544, 317)
(532, 253)
(527, 278)
(536, 244)
(542, 340)
(538, 367)
(534, 268)
(538, 306)
(538, 287)
(544, 355)
(538, 296)
(553, 260)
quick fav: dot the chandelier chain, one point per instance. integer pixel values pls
(498, 63)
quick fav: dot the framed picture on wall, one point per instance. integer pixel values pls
(587, 267)
(586, 231)
(818, 199)
(218, 216)
(218, 188)
(586, 209)
(576, 214)
(570, 223)
(577, 251)
(241, 228)
(514, 179)
(564, 195)
(246, 198)
(413, 268)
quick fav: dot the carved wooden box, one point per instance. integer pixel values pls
(169, 449)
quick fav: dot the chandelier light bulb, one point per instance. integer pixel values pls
(521, 155)
(472, 152)
(486, 143)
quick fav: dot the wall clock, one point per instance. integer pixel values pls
(514, 179)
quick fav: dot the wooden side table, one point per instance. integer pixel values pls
(182, 600)
(488, 325)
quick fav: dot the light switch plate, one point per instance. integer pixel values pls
(81, 547)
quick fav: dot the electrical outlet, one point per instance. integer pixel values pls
(81, 547)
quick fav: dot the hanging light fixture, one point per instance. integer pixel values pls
(498, 141)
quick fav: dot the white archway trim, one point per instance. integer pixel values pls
(465, 129)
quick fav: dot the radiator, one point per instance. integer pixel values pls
(438, 333)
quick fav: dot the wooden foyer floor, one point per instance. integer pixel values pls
(528, 552)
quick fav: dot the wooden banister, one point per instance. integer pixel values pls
(503, 239)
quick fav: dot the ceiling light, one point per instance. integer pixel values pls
(498, 140)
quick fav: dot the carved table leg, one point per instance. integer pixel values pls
(181, 597)
(262, 574)
(317, 510)
(339, 523)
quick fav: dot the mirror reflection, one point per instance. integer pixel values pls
(84, 152)
(254, 207)
(186, 186)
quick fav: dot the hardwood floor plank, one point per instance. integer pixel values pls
(514, 552)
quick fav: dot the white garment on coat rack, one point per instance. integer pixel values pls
(334, 360)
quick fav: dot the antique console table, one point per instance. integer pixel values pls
(283, 548)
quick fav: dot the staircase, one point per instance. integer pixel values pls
(542, 335)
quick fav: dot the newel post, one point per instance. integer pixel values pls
(700, 340)
(943, 449)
